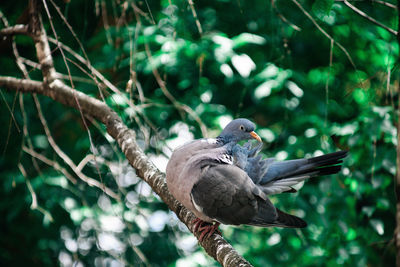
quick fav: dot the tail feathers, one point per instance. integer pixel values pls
(321, 165)
(284, 220)
(329, 170)
(329, 159)
(289, 221)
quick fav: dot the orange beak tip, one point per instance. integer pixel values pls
(255, 136)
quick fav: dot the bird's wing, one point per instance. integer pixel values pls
(226, 194)
(185, 167)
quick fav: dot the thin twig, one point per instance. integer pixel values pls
(135, 83)
(34, 205)
(30, 63)
(327, 83)
(20, 63)
(70, 29)
(388, 90)
(151, 15)
(85, 161)
(387, 4)
(26, 132)
(104, 17)
(75, 78)
(140, 12)
(51, 163)
(33, 194)
(194, 13)
(324, 32)
(171, 98)
(364, 15)
(12, 119)
(283, 18)
(66, 159)
(10, 109)
(215, 246)
(13, 30)
(88, 65)
(45, 40)
(77, 40)
(89, 181)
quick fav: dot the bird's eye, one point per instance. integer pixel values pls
(241, 127)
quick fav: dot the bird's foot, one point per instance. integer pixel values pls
(205, 228)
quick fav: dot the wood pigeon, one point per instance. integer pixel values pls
(221, 181)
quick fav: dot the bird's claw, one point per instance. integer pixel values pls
(206, 229)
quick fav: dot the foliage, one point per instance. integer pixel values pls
(244, 59)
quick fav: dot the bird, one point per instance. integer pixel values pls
(221, 181)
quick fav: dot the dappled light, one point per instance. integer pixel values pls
(96, 95)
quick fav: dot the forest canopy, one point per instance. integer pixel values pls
(314, 76)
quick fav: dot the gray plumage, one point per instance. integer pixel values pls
(221, 181)
(276, 177)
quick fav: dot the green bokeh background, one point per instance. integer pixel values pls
(268, 63)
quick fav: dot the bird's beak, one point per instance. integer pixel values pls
(255, 136)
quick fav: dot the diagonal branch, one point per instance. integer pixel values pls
(308, 15)
(50, 162)
(283, 18)
(384, 3)
(34, 205)
(371, 19)
(13, 30)
(90, 181)
(216, 246)
(42, 47)
(171, 98)
(194, 13)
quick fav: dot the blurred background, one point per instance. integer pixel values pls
(314, 76)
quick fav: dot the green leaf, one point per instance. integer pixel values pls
(247, 38)
(360, 96)
(40, 141)
(322, 7)
(378, 226)
(351, 234)
(295, 242)
(383, 204)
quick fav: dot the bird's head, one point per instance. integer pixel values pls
(237, 130)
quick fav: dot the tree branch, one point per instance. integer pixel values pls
(387, 4)
(90, 181)
(364, 15)
(283, 18)
(54, 88)
(308, 15)
(39, 36)
(16, 29)
(216, 246)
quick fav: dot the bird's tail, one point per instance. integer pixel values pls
(284, 219)
(321, 165)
